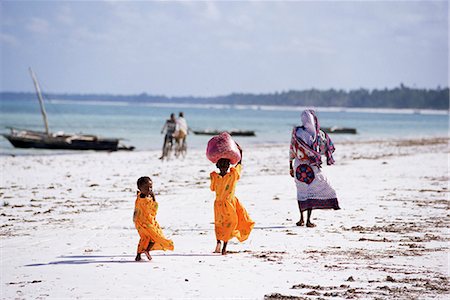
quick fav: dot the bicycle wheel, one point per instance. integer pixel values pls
(167, 148)
(183, 150)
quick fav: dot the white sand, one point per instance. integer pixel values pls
(67, 231)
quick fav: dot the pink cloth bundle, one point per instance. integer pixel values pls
(223, 146)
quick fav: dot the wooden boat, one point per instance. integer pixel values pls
(23, 138)
(335, 129)
(232, 132)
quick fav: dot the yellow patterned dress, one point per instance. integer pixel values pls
(144, 219)
(230, 217)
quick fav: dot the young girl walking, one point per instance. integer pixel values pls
(230, 217)
(144, 218)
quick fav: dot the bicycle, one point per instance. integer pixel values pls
(168, 147)
(180, 147)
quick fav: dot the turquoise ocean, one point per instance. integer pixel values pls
(139, 124)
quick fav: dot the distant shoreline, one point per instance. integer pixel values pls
(425, 111)
(254, 107)
(260, 107)
(396, 98)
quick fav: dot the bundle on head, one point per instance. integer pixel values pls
(223, 146)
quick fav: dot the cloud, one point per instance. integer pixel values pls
(6, 39)
(64, 15)
(174, 38)
(236, 45)
(212, 11)
(304, 46)
(38, 25)
(242, 21)
(87, 36)
(130, 15)
(201, 10)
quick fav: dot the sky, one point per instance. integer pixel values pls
(210, 48)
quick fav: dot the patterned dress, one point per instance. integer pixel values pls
(144, 219)
(313, 189)
(230, 217)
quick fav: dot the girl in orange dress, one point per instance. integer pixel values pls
(230, 217)
(152, 237)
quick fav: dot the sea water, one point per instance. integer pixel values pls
(140, 124)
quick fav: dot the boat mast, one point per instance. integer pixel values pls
(41, 102)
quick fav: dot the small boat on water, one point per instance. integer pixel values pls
(23, 138)
(232, 132)
(335, 129)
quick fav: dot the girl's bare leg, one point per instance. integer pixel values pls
(148, 255)
(224, 249)
(218, 247)
(147, 251)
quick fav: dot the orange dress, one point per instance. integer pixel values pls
(149, 230)
(230, 217)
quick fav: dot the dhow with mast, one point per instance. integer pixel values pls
(22, 138)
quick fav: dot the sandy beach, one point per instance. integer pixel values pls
(67, 230)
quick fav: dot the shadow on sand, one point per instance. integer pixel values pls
(124, 259)
(103, 259)
(254, 228)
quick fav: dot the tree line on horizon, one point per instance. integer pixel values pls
(399, 97)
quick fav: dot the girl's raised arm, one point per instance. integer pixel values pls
(240, 150)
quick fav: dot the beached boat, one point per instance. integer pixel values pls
(23, 138)
(232, 132)
(343, 130)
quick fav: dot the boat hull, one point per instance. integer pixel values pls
(63, 143)
(232, 133)
(342, 130)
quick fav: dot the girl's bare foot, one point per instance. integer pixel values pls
(224, 249)
(300, 223)
(217, 247)
(138, 257)
(148, 255)
(309, 224)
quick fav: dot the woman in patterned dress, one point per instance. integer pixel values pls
(308, 143)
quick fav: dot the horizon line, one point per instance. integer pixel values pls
(437, 88)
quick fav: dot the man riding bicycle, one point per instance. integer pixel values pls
(181, 131)
(169, 127)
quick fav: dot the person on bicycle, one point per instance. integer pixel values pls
(169, 128)
(181, 130)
